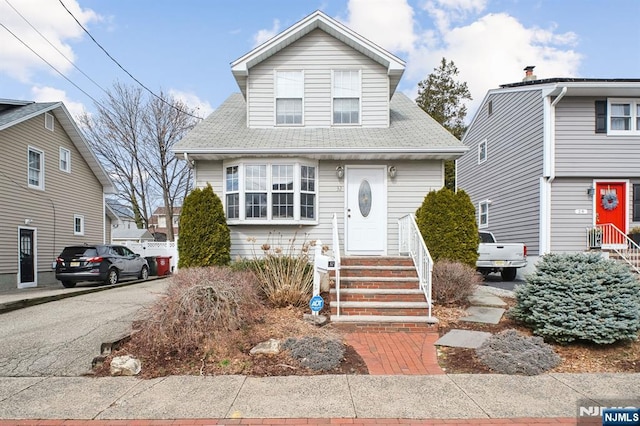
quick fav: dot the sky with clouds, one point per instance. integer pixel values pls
(185, 47)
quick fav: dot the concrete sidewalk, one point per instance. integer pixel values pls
(453, 396)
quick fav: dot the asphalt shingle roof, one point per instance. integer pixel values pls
(13, 114)
(225, 133)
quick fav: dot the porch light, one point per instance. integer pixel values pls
(590, 191)
(340, 172)
(392, 171)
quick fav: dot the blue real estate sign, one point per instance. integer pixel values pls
(316, 303)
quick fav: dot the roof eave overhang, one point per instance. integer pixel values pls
(447, 153)
(240, 67)
(581, 88)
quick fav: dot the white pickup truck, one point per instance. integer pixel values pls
(500, 257)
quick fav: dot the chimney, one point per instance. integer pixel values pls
(528, 73)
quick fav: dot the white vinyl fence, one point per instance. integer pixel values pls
(156, 248)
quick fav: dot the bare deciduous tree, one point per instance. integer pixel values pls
(132, 137)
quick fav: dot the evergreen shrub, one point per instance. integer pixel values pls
(510, 352)
(447, 222)
(453, 282)
(580, 297)
(204, 235)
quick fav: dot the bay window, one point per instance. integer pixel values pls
(277, 191)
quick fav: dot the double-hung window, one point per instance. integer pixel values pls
(36, 168)
(482, 152)
(483, 214)
(65, 160)
(346, 97)
(289, 96)
(622, 116)
(277, 191)
(78, 224)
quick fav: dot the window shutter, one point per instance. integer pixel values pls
(601, 116)
(636, 203)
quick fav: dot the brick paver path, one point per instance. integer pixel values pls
(397, 353)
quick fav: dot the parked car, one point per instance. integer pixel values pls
(500, 257)
(100, 262)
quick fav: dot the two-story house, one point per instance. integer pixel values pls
(551, 159)
(158, 223)
(51, 191)
(319, 129)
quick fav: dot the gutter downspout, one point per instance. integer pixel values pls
(549, 172)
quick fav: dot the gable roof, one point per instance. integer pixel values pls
(16, 112)
(395, 66)
(131, 234)
(412, 134)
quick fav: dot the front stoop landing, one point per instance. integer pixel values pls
(380, 294)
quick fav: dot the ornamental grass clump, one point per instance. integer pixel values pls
(510, 352)
(285, 274)
(580, 297)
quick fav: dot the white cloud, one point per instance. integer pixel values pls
(488, 49)
(53, 22)
(264, 34)
(388, 23)
(50, 94)
(203, 108)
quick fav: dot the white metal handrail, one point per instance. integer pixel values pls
(609, 237)
(336, 258)
(411, 242)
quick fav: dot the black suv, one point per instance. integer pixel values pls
(101, 262)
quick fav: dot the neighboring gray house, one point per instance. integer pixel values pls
(549, 159)
(51, 191)
(318, 129)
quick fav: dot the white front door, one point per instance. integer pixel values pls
(366, 210)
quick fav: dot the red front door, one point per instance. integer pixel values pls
(611, 207)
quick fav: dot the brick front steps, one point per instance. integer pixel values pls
(380, 294)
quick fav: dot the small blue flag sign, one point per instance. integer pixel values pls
(316, 303)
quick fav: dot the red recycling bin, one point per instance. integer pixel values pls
(164, 265)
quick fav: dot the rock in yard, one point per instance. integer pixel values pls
(318, 320)
(125, 366)
(270, 347)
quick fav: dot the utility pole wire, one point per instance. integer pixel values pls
(121, 67)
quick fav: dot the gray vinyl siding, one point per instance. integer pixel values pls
(510, 175)
(51, 210)
(317, 54)
(405, 194)
(568, 228)
(580, 151)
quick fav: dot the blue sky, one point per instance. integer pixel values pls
(185, 47)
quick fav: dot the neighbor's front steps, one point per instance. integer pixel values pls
(380, 294)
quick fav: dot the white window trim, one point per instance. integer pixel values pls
(275, 97)
(486, 203)
(65, 150)
(40, 185)
(75, 219)
(634, 116)
(48, 121)
(359, 123)
(297, 163)
(486, 151)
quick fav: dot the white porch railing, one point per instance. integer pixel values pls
(607, 236)
(411, 243)
(335, 248)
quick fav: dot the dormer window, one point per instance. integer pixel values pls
(289, 95)
(346, 97)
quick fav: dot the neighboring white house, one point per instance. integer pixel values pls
(52, 191)
(318, 129)
(547, 157)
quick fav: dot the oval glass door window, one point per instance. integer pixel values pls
(364, 198)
